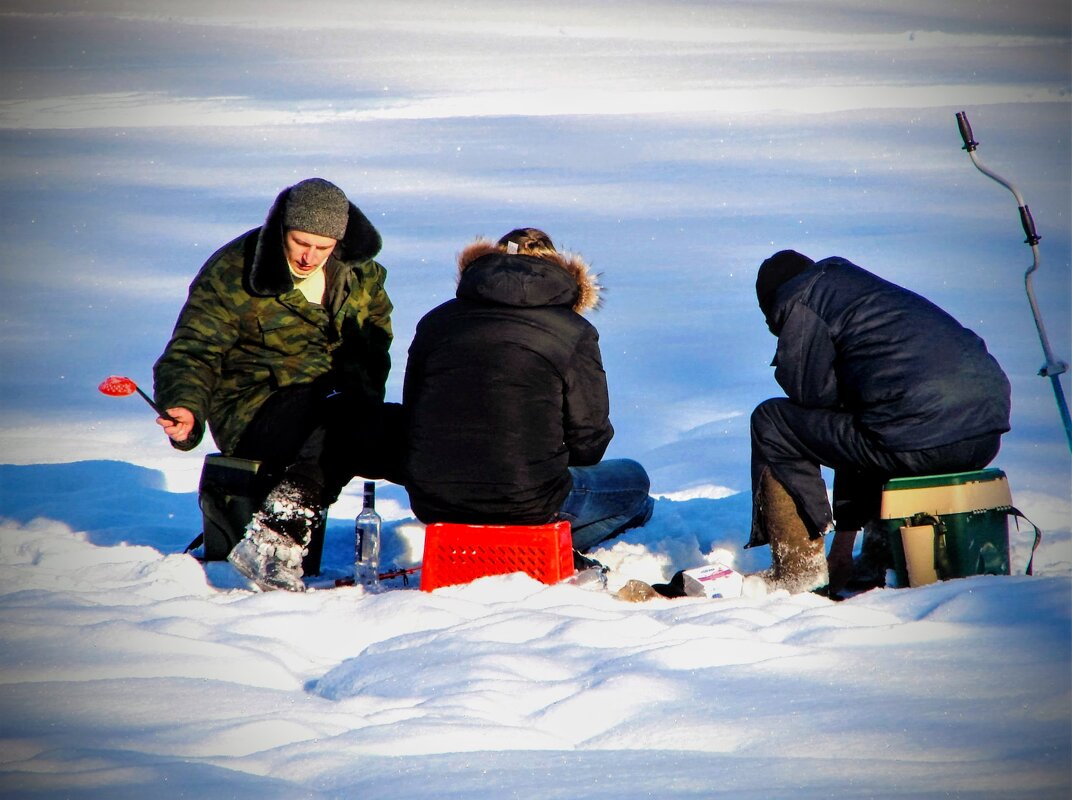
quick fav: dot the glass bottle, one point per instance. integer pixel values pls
(367, 542)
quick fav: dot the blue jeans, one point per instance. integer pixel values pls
(606, 499)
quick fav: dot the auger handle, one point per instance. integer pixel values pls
(1029, 226)
(966, 132)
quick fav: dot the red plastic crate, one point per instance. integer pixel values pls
(456, 553)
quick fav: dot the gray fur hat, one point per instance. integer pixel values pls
(316, 206)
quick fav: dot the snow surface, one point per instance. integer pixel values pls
(674, 144)
(128, 670)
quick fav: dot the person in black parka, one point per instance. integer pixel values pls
(880, 383)
(506, 399)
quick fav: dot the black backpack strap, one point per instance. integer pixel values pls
(1018, 515)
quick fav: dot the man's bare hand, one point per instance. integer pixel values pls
(183, 424)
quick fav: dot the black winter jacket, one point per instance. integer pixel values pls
(504, 389)
(910, 373)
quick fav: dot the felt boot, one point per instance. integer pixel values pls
(798, 562)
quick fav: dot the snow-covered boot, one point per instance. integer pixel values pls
(276, 538)
(798, 562)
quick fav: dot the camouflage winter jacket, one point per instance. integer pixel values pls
(246, 331)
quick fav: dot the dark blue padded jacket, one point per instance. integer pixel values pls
(912, 375)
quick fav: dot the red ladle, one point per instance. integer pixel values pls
(118, 386)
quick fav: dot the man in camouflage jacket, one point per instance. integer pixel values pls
(282, 350)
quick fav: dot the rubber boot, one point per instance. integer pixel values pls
(869, 568)
(798, 562)
(839, 562)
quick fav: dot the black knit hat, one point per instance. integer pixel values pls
(780, 268)
(316, 206)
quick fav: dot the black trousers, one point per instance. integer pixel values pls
(795, 442)
(309, 432)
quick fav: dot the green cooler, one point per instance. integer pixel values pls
(948, 526)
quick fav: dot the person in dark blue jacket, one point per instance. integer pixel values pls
(880, 383)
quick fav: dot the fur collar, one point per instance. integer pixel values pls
(270, 274)
(589, 290)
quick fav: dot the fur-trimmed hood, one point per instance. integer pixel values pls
(485, 272)
(269, 273)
